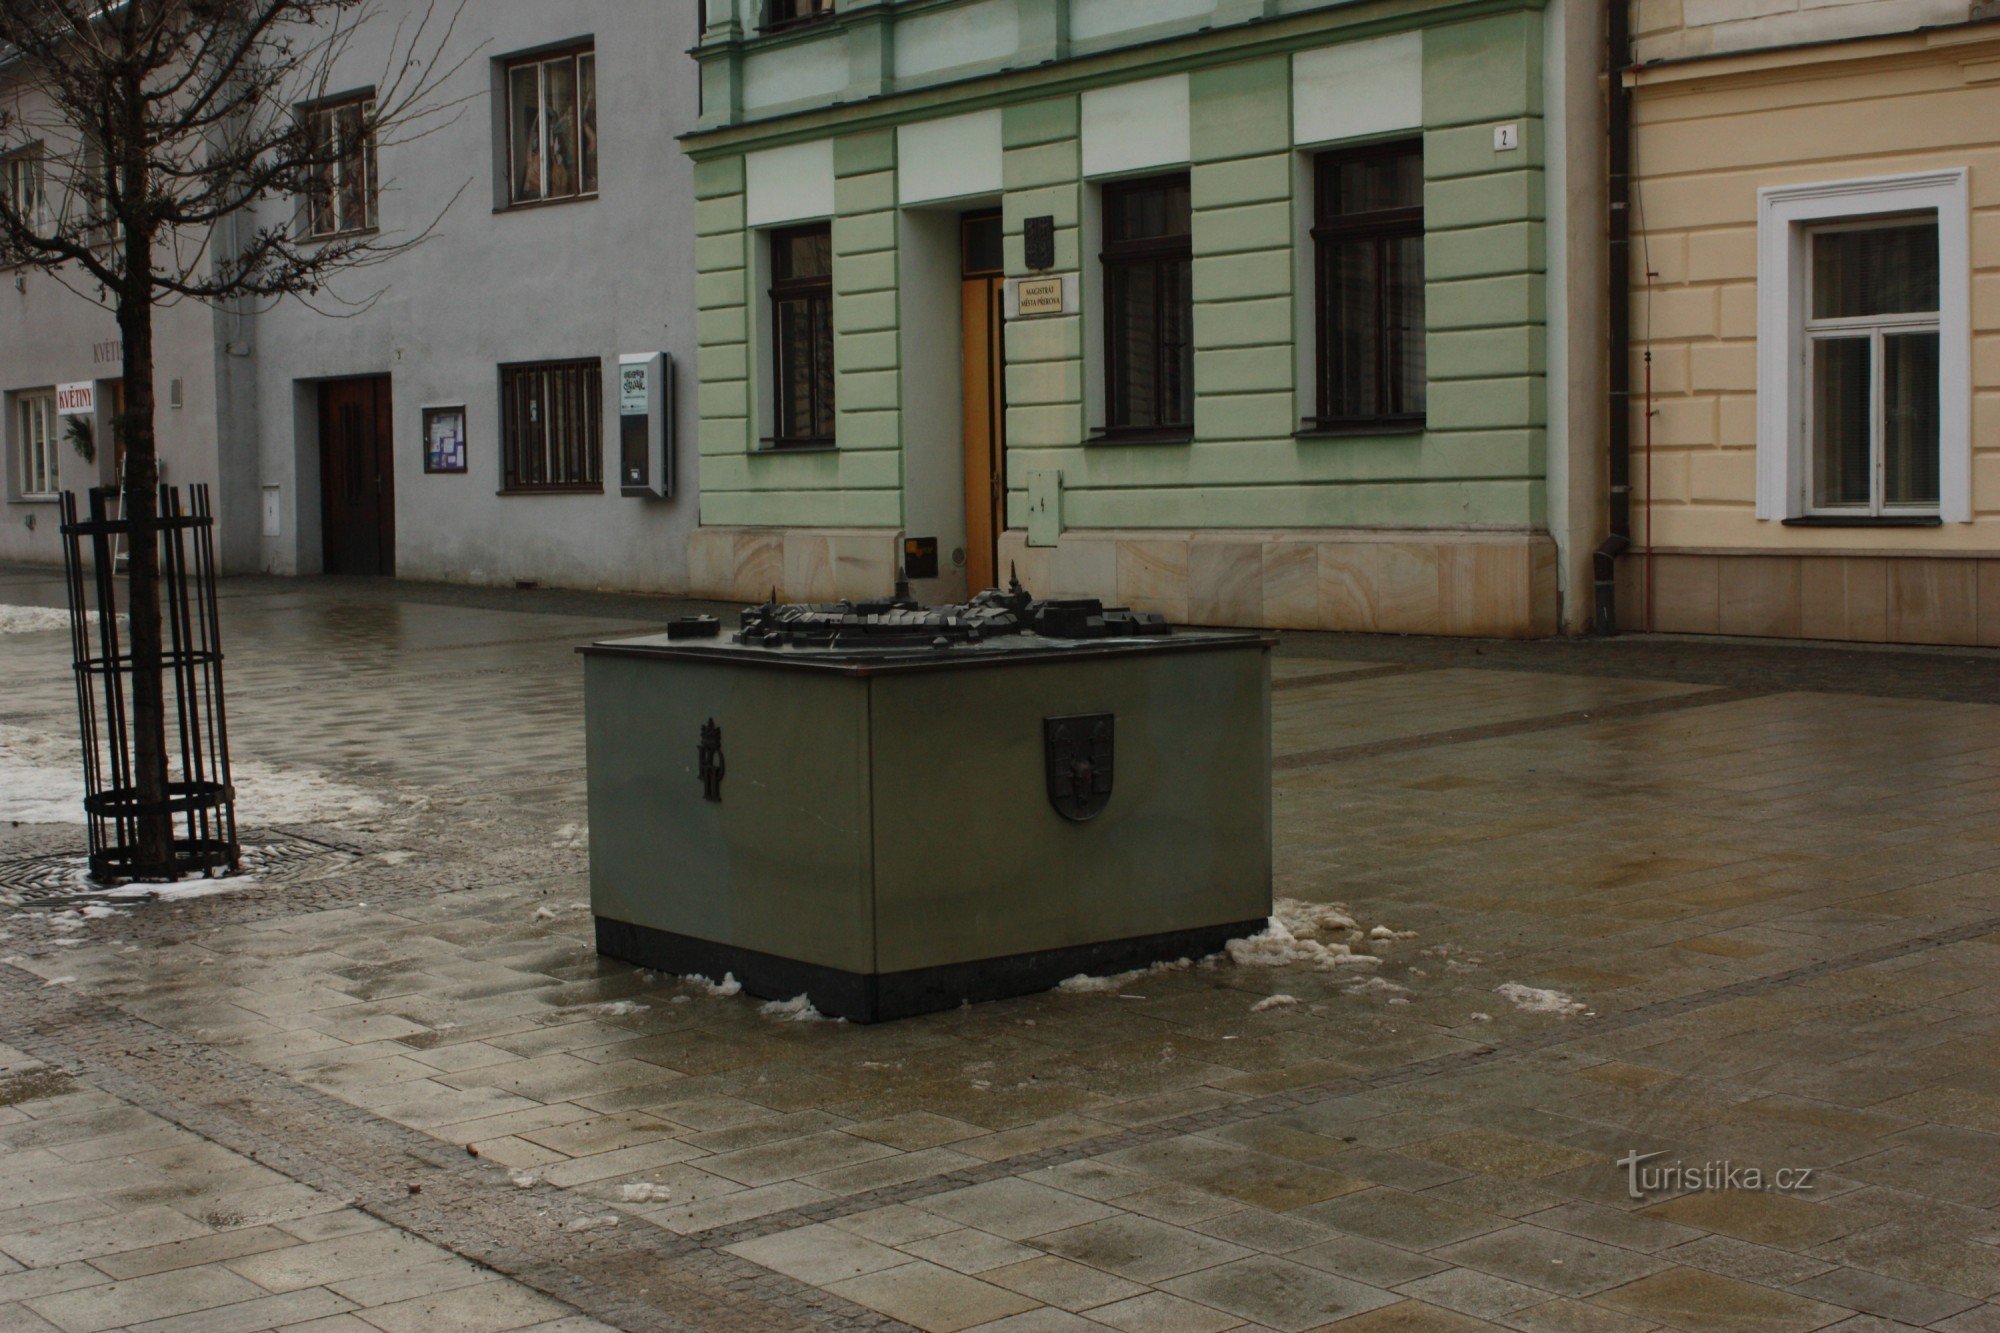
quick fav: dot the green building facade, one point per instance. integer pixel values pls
(929, 366)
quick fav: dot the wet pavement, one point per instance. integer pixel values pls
(1659, 913)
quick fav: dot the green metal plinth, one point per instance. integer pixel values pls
(885, 840)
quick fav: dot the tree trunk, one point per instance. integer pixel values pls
(155, 850)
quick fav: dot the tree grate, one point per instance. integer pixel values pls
(62, 880)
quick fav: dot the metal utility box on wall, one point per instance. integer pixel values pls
(898, 833)
(646, 425)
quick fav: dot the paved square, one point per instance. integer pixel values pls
(1699, 906)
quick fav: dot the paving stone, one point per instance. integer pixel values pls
(1689, 1298)
(1478, 1294)
(1400, 1219)
(1277, 1293)
(1158, 1312)
(156, 1296)
(934, 1299)
(1059, 1282)
(1140, 1249)
(820, 1255)
(1366, 1261)
(1871, 1293)
(490, 1305)
(966, 1250)
(1567, 1265)
(144, 1228)
(318, 1263)
(1016, 1209)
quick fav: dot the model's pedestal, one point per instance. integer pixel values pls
(897, 831)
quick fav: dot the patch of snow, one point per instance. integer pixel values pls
(1534, 1000)
(524, 1180)
(620, 1008)
(59, 981)
(1482, 1018)
(1375, 986)
(1385, 933)
(728, 986)
(1270, 1002)
(35, 619)
(1306, 920)
(1278, 946)
(545, 913)
(591, 1223)
(645, 1191)
(1085, 984)
(798, 1009)
(41, 782)
(571, 835)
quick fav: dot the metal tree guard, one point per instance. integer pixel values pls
(200, 798)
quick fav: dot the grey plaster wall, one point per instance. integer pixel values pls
(56, 328)
(598, 278)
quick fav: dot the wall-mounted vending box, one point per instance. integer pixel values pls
(646, 425)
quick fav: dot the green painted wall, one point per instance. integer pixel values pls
(1480, 462)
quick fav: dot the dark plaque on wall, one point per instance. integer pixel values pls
(920, 557)
(1038, 240)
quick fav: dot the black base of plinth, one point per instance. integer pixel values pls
(877, 997)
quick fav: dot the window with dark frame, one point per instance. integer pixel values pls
(1368, 260)
(1873, 400)
(802, 334)
(341, 199)
(552, 426)
(552, 127)
(780, 14)
(1148, 263)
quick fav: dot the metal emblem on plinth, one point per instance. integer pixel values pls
(1077, 751)
(709, 756)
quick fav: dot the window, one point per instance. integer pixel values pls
(802, 334)
(552, 127)
(24, 182)
(1864, 351)
(789, 13)
(552, 426)
(1368, 263)
(1148, 263)
(35, 425)
(341, 199)
(1872, 393)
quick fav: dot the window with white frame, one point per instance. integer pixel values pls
(1872, 395)
(22, 176)
(35, 429)
(342, 196)
(1864, 351)
(552, 127)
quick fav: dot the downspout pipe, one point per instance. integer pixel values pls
(1617, 59)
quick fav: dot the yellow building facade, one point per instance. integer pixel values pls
(1816, 322)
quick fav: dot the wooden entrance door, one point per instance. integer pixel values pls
(357, 483)
(985, 400)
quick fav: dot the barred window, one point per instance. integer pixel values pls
(342, 197)
(1149, 308)
(552, 426)
(1368, 246)
(802, 333)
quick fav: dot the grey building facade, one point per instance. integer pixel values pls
(452, 413)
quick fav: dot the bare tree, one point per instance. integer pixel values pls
(157, 139)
